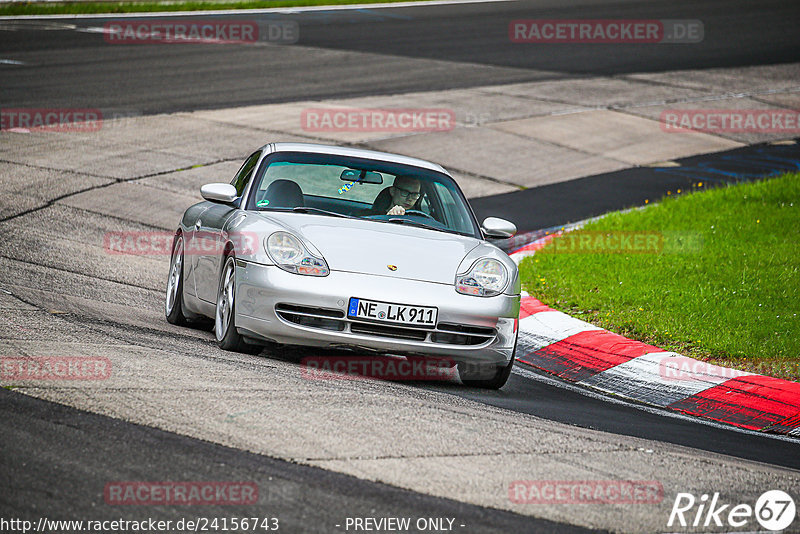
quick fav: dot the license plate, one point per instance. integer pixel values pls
(387, 312)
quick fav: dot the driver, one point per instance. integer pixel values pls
(403, 195)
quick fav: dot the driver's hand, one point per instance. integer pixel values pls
(397, 210)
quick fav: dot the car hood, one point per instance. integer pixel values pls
(371, 247)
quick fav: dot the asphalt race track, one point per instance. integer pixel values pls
(43, 438)
(178, 408)
(374, 51)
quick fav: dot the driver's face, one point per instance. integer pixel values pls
(405, 193)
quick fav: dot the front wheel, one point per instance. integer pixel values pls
(492, 378)
(486, 377)
(224, 317)
(173, 303)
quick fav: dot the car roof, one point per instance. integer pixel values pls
(356, 153)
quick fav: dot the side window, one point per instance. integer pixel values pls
(245, 173)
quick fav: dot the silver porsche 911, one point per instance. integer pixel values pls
(338, 247)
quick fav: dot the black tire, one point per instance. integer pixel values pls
(481, 376)
(173, 302)
(224, 317)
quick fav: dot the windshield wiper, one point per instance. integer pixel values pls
(307, 209)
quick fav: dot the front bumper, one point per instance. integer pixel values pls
(274, 305)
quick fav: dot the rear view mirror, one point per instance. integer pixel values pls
(363, 177)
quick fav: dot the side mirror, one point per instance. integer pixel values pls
(500, 228)
(219, 192)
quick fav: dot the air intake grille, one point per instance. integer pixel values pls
(322, 318)
(334, 320)
(459, 334)
(388, 331)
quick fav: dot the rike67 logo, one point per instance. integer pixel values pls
(774, 510)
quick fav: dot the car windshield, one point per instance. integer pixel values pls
(383, 192)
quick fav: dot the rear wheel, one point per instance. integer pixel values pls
(173, 303)
(224, 316)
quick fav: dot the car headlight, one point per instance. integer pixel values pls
(487, 277)
(288, 253)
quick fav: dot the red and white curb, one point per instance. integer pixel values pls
(589, 356)
(579, 352)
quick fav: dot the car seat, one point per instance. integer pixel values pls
(284, 194)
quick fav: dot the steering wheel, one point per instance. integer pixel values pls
(418, 212)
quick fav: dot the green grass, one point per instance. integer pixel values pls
(724, 288)
(80, 8)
